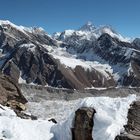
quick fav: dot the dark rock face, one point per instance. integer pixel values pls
(10, 93)
(112, 50)
(133, 125)
(136, 43)
(83, 124)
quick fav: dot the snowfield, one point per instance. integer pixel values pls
(71, 61)
(108, 122)
(15, 128)
(91, 62)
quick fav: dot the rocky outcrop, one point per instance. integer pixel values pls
(136, 43)
(132, 129)
(83, 124)
(10, 94)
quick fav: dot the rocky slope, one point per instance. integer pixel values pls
(10, 94)
(132, 129)
(88, 57)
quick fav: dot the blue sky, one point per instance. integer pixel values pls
(58, 15)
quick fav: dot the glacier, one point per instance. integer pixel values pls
(109, 120)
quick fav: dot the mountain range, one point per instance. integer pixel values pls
(89, 57)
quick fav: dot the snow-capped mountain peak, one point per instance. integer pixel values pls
(6, 23)
(37, 30)
(109, 30)
(88, 27)
(56, 35)
(90, 32)
(66, 34)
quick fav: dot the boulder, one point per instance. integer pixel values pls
(16, 105)
(83, 124)
(52, 120)
(25, 116)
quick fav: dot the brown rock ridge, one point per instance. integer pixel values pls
(10, 94)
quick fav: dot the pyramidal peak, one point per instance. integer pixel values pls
(87, 27)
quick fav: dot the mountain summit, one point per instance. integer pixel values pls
(88, 27)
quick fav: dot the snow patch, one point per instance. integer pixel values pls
(31, 47)
(21, 80)
(14, 128)
(20, 28)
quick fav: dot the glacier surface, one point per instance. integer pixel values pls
(109, 120)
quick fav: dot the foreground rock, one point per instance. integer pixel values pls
(133, 125)
(83, 124)
(11, 96)
(10, 93)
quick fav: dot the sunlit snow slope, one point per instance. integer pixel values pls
(14, 128)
